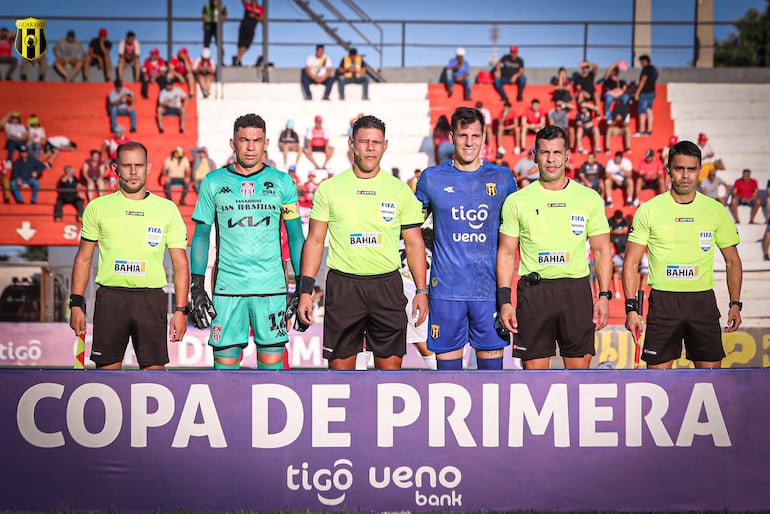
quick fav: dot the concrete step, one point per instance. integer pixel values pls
(717, 93)
(688, 128)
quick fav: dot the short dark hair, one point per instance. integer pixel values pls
(319, 45)
(248, 120)
(130, 33)
(130, 145)
(684, 148)
(549, 133)
(644, 57)
(464, 116)
(368, 121)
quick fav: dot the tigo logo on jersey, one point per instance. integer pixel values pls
(682, 272)
(578, 224)
(706, 240)
(388, 211)
(247, 188)
(154, 236)
(126, 267)
(553, 258)
(363, 239)
(491, 189)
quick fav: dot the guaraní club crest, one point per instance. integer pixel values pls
(30, 42)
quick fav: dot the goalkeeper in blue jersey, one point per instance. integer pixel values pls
(245, 202)
(465, 196)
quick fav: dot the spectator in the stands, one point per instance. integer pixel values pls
(16, 134)
(205, 72)
(253, 13)
(664, 152)
(412, 182)
(121, 103)
(352, 70)
(714, 187)
(532, 119)
(457, 71)
(6, 168)
(317, 70)
(153, 72)
(745, 192)
(202, 165)
(650, 175)
(37, 136)
(309, 188)
(443, 147)
(510, 70)
(618, 125)
(42, 67)
(111, 144)
(288, 141)
(591, 174)
(526, 170)
(70, 54)
(180, 69)
(317, 140)
(99, 55)
(68, 193)
(54, 145)
(620, 226)
(508, 125)
(27, 171)
(587, 125)
(171, 102)
(619, 173)
(584, 83)
(709, 159)
(562, 87)
(645, 96)
(559, 117)
(7, 39)
(214, 14)
(129, 54)
(500, 159)
(94, 175)
(176, 173)
(614, 89)
(766, 240)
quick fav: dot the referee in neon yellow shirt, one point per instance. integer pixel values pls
(681, 230)
(132, 228)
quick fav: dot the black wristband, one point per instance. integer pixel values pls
(735, 302)
(305, 285)
(605, 294)
(632, 305)
(77, 300)
(503, 296)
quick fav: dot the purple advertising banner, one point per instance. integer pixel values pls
(52, 345)
(385, 441)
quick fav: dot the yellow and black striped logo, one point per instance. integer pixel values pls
(434, 331)
(30, 41)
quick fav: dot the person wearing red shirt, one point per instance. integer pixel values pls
(129, 53)
(6, 51)
(532, 120)
(317, 140)
(745, 192)
(508, 124)
(153, 71)
(651, 174)
(180, 68)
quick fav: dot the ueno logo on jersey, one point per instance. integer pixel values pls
(577, 224)
(247, 188)
(706, 240)
(154, 236)
(388, 211)
(330, 484)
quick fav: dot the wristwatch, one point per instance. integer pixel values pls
(605, 294)
(184, 310)
(735, 302)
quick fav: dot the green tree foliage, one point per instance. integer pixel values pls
(749, 46)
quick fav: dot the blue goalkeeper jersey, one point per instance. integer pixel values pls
(246, 212)
(466, 209)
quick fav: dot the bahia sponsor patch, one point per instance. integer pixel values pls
(364, 239)
(706, 240)
(126, 267)
(388, 211)
(553, 258)
(682, 272)
(154, 236)
(577, 223)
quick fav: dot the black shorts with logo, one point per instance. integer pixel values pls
(120, 313)
(358, 305)
(554, 311)
(673, 317)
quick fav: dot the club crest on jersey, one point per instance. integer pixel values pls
(435, 330)
(578, 224)
(30, 42)
(388, 211)
(154, 236)
(216, 333)
(491, 189)
(706, 240)
(434, 281)
(247, 188)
